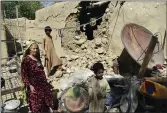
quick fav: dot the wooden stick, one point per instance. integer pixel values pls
(9, 91)
(163, 45)
(148, 56)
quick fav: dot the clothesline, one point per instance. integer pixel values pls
(58, 28)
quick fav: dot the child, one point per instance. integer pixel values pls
(52, 61)
(98, 89)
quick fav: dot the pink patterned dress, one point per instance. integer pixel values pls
(33, 74)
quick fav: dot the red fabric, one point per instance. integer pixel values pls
(159, 66)
(33, 74)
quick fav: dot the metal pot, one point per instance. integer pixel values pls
(11, 106)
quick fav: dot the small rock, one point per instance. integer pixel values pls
(69, 59)
(76, 68)
(83, 47)
(98, 42)
(104, 40)
(80, 42)
(77, 37)
(59, 74)
(74, 57)
(105, 36)
(106, 18)
(107, 10)
(84, 59)
(110, 62)
(77, 50)
(79, 8)
(100, 50)
(86, 45)
(85, 50)
(75, 10)
(111, 69)
(66, 75)
(63, 72)
(89, 51)
(68, 70)
(104, 30)
(112, 73)
(90, 57)
(93, 46)
(165, 63)
(110, 54)
(79, 65)
(104, 63)
(96, 55)
(85, 65)
(8, 63)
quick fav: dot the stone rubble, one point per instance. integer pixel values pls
(87, 54)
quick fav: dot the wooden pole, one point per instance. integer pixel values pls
(4, 15)
(163, 45)
(148, 56)
(17, 16)
(16, 12)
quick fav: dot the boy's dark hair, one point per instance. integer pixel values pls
(97, 66)
(48, 28)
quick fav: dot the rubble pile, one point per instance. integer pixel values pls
(87, 53)
(82, 52)
(83, 57)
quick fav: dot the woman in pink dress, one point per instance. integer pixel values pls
(40, 96)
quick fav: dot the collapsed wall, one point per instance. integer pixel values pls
(107, 43)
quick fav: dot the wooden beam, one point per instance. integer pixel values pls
(148, 56)
(9, 40)
(8, 91)
(9, 57)
(163, 44)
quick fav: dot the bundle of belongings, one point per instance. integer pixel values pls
(155, 87)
